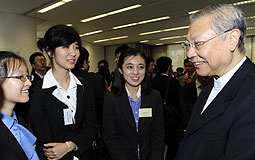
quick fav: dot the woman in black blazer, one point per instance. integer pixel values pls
(133, 114)
(16, 141)
(61, 113)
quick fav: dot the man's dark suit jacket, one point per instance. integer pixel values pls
(226, 129)
(188, 97)
(10, 148)
(97, 90)
(47, 119)
(159, 83)
(121, 137)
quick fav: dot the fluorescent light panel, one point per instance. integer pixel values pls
(179, 42)
(111, 13)
(250, 28)
(90, 33)
(142, 22)
(163, 30)
(174, 37)
(243, 2)
(55, 5)
(193, 12)
(159, 44)
(252, 34)
(144, 41)
(235, 4)
(110, 39)
(251, 17)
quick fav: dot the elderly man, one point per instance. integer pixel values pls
(222, 124)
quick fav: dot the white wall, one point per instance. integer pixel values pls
(177, 54)
(18, 34)
(158, 51)
(109, 57)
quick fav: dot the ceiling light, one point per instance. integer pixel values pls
(69, 24)
(124, 9)
(126, 25)
(142, 22)
(90, 33)
(94, 18)
(55, 5)
(111, 13)
(159, 44)
(110, 39)
(251, 17)
(144, 41)
(250, 28)
(115, 38)
(179, 42)
(243, 2)
(193, 12)
(164, 30)
(252, 34)
(167, 38)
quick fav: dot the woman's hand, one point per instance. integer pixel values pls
(55, 151)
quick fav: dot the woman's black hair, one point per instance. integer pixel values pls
(9, 63)
(84, 55)
(119, 80)
(56, 36)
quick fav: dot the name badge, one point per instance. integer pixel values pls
(67, 117)
(145, 112)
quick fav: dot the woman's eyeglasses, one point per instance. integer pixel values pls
(23, 78)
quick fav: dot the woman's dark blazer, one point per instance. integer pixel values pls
(10, 148)
(120, 135)
(47, 119)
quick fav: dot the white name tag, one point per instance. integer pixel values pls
(67, 117)
(145, 112)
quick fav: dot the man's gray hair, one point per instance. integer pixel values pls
(224, 17)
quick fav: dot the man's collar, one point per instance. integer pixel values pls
(221, 81)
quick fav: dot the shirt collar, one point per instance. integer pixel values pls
(9, 120)
(221, 82)
(50, 81)
(138, 94)
(41, 76)
(164, 74)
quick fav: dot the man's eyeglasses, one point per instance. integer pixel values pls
(23, 78)
(197, 45)
(40, 60)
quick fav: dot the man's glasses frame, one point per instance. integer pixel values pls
(197, 45)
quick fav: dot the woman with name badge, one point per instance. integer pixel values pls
(17, 142)
(61, 113)
(133, 113)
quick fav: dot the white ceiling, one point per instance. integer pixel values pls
(76, 10)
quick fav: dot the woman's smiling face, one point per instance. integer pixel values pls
(133, 70)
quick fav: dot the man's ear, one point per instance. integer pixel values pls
(50, 54)
(120, 71)
(33, 65)
(234, 39)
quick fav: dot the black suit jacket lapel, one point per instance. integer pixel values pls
(145, 103)
(126, 109)
(10, 141)
(80, 108)
(217, 105)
